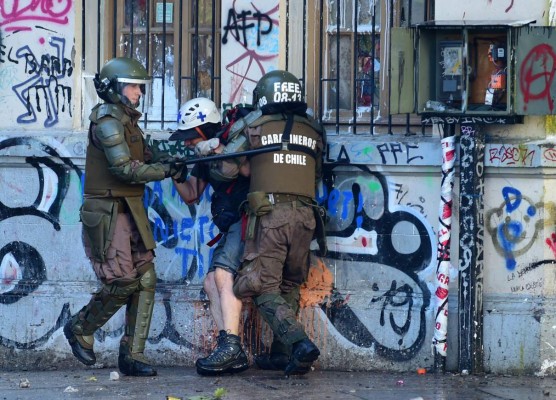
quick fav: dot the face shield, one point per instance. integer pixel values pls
(135, 92)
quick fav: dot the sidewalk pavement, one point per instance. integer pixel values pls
(184, 383)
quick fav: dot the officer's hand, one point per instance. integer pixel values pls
(172, 168)
(181, 174)
(207, 147)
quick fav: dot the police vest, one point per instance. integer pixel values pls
(98, 179)
(289, 171)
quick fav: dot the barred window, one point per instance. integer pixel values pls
(177, 40)
(352, 95)
(338, 49)
(351, 84)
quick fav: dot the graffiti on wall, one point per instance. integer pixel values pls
(22, 267)
(537, 75)
(25, 15)
(511, 155)
(364, 228)
(44, 91)
(36, 60)
(250, 42)
(385, 153)
(508, 7)
(515, 226)
(378, 234)
(366, 224)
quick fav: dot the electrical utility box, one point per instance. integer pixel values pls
(474, 68)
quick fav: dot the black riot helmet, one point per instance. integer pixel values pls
(115, 74)
(278, 91)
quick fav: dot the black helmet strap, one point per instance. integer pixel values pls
(103, 88)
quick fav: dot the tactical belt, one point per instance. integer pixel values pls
(122, 206)
(282, 198)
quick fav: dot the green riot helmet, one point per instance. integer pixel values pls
(115, 75)
(276, 88)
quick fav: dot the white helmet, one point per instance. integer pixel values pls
(197, 112)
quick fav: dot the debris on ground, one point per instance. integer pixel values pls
(218, 395)
(71, 389)
(24, 383)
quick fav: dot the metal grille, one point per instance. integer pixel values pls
(156, 34)
(351, 93)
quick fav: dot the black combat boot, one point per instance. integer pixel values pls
(272, 361)
(82, 353)
(135, 365)
(277, 359)
(304, 353)
(221, 338)
(228, 357)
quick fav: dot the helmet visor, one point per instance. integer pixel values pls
(136, 93)
(146, 98)
(135, 80)
(142, 82)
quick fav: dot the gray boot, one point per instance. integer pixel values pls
(228, 357)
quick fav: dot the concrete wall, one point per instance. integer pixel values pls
(368, 305)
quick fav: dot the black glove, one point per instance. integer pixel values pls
(172, 168)
(180, 174)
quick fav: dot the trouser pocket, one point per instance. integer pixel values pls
(98, 217)
(248, 280)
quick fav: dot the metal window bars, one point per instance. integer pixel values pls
(348, 95)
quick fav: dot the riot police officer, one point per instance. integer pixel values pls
(281, 216)
(116, 232)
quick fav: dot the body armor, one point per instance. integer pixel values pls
(116, 133)
(100, 181)
(273, 172)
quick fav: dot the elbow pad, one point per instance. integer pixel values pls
(228, 170)
(110, 133)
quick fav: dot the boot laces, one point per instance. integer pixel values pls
(223, 352)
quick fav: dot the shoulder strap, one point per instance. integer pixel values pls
(278, 117)
(287, 131)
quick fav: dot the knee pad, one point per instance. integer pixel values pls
(119, 290)
(274, 298)
(280, 316)
(148, 279)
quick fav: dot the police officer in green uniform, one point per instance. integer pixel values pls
(282, 216)
(116, 233)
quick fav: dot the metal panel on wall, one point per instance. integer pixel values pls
(535, 58)
(402, 79)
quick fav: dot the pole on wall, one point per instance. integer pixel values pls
(471, 244)
(439, 340)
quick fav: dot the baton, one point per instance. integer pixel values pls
(225, 156)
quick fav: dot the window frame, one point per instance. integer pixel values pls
(315, 77)
(186, 49)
